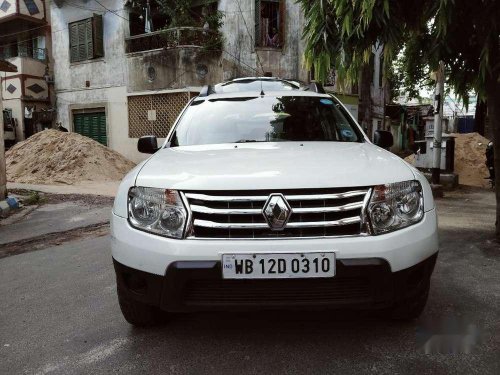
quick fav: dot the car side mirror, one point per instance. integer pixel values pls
(147, 144)
(383, 138)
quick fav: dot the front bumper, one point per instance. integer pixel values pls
(185, 275)
(153, 254)
(198, 286)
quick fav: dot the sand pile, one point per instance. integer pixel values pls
(469, 159)
(54, 157)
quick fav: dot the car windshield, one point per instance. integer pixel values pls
(264, 119)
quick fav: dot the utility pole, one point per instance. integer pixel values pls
(4, 67)
(438, 123)
(3, 171)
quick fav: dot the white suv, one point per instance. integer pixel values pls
(267, 195)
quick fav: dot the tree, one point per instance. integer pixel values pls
(464, 34)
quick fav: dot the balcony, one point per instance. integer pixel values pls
(178, 37)
(20, 14)
(39, 54)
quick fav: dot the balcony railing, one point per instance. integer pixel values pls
(168, 38)
(39, 54)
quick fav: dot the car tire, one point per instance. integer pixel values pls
(139, 314)
(410, 308)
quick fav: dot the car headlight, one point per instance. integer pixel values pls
(395, 206)
(158, 211)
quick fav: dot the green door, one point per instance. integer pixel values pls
(92, 125)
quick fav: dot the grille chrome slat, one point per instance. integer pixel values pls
(255, 211)
(298, 224)
(322, 224)
(325, 209)
(262, 198)
(306, 197)
(314, 213)
(214, 224)
(225, 211)
(223, 198)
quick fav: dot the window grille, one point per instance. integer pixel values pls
(167, 106)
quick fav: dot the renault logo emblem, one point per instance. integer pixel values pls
(277, 211)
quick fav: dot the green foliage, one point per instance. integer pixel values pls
(178, 12)
(214, 40)
(416, 35)
(33, 199)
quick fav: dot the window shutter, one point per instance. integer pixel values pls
(82, 42)
(282, 23)
(73, 42)
(98, 35)
(89, 42)
(86, 39)
(257, 23)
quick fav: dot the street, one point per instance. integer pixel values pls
(59, 314)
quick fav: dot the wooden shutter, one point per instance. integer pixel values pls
(89, 40)
(82, 42)
(86, 39)
(92, 125)
(282, 23)
(73, 42)
(97, 34)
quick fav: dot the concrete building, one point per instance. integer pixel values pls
(25, 42)
(118, 82)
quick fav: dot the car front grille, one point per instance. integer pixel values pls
(315, 213)
(271, 292)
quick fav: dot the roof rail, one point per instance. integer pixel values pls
(316, 87)
(207, 90)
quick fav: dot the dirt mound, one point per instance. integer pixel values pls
(469, 159)
(54, 157)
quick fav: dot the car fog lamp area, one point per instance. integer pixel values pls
(395, 206)
(157, 211)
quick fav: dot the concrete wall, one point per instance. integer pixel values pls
(239, 31)
(177, 68)
(98, 83)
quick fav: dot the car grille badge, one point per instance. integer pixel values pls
(277, 211)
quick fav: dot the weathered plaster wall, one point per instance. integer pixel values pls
(108, 71)
(239, 31)
(177, 68)
(107, 76)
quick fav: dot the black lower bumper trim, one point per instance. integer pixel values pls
(197, 286)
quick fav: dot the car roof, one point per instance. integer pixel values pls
(245, 94)
(274, 86)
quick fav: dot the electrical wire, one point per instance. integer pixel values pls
(250, 35)
(112, 12)
(128, 20)
(69, 4)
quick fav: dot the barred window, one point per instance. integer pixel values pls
(269, 23)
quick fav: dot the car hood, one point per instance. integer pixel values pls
(283, 165)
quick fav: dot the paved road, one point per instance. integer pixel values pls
(55, 217)
(59, 314)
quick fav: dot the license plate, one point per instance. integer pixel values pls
(278, 266)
